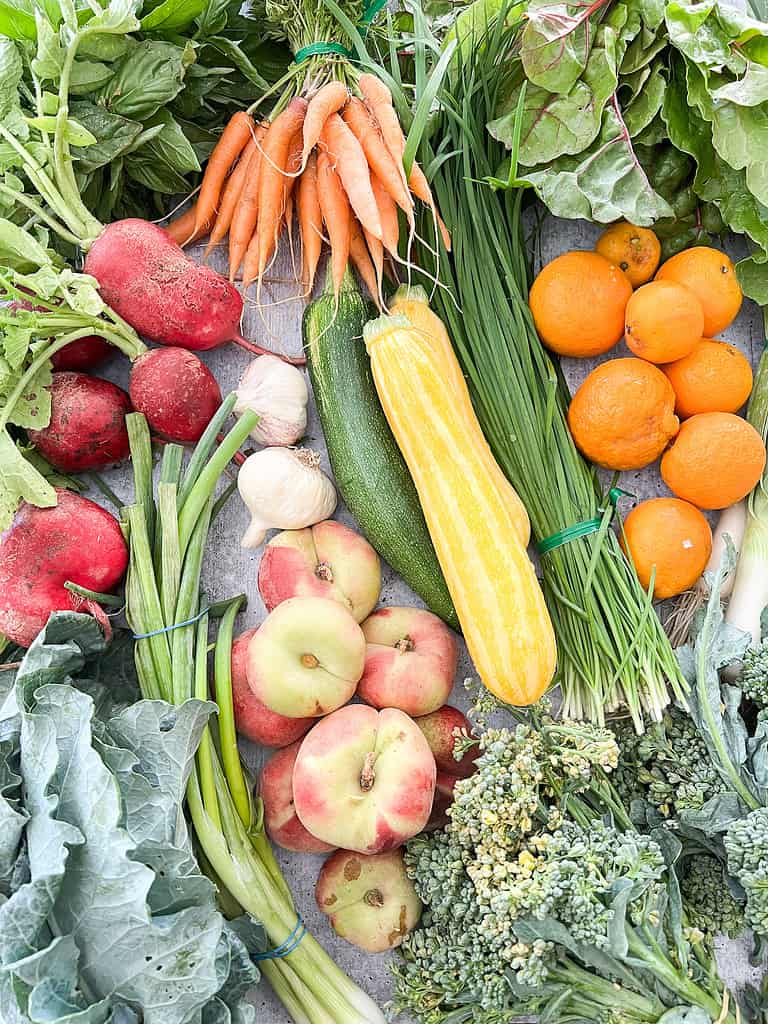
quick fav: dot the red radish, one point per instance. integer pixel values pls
(87, 428)
(75, 541)
(176, 391)
(148, 280)
(83, 354)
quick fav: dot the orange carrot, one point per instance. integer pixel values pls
(229, 147)
(336, 215)
(245, 214)
(233, 190)
(352, 167)
(358, 252)
(310, 222)
(276, 149)
(182, 228)
(420, 187)
(378, 99)
(380, 160)
(327, 100)
(390, 229)
(376, 250)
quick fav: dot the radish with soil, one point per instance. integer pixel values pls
(87, 428)
(176, 391)
(77, 542)
(143, 274)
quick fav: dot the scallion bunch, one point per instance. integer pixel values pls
(167, 536)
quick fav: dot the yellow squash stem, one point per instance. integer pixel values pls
(476, 536)
(411, 302)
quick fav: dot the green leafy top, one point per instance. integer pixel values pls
(613, 86)
(45, 306)
(88, 779)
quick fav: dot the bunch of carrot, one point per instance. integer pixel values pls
(332, 159)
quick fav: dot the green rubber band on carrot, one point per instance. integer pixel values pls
(582, 529)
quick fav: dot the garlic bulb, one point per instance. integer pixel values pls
(278, 392)
(285, 489)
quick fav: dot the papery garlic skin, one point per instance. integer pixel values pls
(284, 489)
(278, 392)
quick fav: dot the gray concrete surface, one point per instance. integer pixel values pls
(230, 569)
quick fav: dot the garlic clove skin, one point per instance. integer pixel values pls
(278, 392)
(284, 489)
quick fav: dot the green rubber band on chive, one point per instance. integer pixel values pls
(582, 529)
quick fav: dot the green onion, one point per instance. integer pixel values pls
(167, 538)
(613, 652)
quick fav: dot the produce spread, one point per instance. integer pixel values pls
(579, 846)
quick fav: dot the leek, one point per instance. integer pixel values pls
(749, 596)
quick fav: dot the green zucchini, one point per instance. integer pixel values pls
(370, 472)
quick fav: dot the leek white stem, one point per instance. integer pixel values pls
(731, 525)
(750, 587)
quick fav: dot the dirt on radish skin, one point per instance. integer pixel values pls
(75, 541)
(165, 296)
(87, 428)
(176, 391)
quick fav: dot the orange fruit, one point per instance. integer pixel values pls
(711, 277)
(622, 416)
(578, 302)
(714, 377)
(715, 461)
(634, 250)
(664, 321)
(671, 538)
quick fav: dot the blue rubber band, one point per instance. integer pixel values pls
(176, 625)
(287, 946)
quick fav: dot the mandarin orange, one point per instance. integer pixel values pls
(711, 276)
(664, 321)
(634, 250)
(622, 416)
(578, 302)
(715, 461)
(714, 377)
(669, 542)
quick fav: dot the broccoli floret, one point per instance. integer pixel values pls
(668, 766)
(709, 904)
(746, 844)
(754, 675)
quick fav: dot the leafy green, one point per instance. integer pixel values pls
(105, 907)
(148, 77)
(603, 87)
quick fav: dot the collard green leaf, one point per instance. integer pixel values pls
(148, 77)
